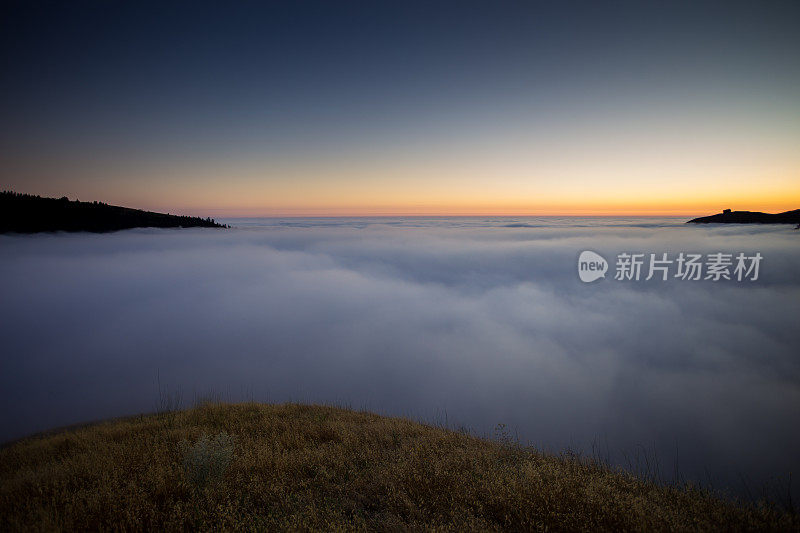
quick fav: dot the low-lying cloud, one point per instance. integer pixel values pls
(476, 325)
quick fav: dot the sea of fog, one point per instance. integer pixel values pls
(469, 322)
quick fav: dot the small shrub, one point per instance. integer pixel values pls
(206, 461)
(504, 437)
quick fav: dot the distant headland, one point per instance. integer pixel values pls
(26, 213)
(749, 217)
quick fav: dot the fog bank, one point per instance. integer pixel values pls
(470, 323)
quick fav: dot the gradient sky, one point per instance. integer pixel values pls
(328, 108)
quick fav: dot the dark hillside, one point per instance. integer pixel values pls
(25, 213)
(749, 217)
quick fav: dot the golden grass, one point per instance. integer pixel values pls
(301, 467)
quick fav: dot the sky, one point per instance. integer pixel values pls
(404, 108)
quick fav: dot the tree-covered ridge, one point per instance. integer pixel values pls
(26, 213)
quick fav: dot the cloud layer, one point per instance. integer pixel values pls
(473, 323)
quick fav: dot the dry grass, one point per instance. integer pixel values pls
(324, 468)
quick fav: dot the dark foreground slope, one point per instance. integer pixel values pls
(24, 213)
(750, 217)
(290, 467)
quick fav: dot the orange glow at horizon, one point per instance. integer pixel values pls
(599, 205)
(673, 166)
(487, 188)
(454, 195)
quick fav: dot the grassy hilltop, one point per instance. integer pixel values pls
(254, 466)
